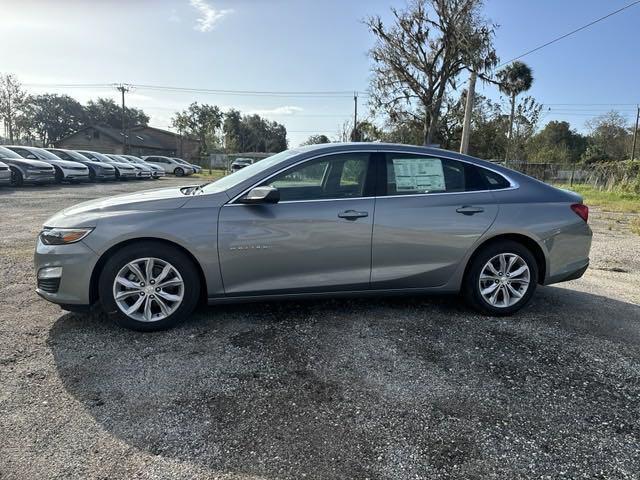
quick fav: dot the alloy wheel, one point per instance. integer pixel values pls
(148, 289)
(504, 280)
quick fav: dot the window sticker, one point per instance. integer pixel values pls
(421, 175)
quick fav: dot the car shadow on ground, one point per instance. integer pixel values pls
(375, 388)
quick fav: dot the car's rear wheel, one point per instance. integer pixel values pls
(178, 172)
(149, 286)
(501, 278)
(17, 180)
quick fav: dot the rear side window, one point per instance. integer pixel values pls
(416, 174)
(494, 180)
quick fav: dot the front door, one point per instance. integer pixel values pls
(431, 213)
(316, 238)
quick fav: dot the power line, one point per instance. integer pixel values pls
(561, 37)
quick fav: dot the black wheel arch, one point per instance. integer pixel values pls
(97, 269)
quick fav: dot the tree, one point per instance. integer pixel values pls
(609, 138)
(105, 111)
(514, 79)
(51, 117)
(417, 58)
(315, 140)
(12, 98)
(556, 142)
(201, 121)
(252, 133)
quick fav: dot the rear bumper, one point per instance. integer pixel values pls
(570, 275)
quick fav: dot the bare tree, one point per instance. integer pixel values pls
(12, 97)
(423, 52)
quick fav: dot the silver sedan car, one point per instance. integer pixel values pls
(325, 220)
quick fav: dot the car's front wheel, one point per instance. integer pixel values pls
(16, 178)
(178, 172)
(149, 286)
(501, 278)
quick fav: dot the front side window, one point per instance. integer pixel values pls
(330, 177)
(409, 174)
(25, 153)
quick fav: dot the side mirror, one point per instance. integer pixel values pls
(261, 195)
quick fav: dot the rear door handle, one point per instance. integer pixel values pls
(469, 210)
(352, 214)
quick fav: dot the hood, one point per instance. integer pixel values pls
(88, 213)
(123, 166)
(64, 163)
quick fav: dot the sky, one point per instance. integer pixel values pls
(298, 46)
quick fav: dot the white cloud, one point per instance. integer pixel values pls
(209, 16)
(284, 110)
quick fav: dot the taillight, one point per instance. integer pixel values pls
(581, 210)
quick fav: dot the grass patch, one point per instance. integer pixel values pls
(607, 201)
(635, 225)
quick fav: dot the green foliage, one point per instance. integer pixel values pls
(621, 176)
(609, 139)
(252, 133)
(201, 121)
(316, 140)
(105, 111)
(557, 143)
(50, 117)
(515, 78)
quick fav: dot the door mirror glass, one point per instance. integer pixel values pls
(261, 195)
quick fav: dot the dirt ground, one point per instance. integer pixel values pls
(391, 388)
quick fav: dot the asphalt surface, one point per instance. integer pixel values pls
(394, 388)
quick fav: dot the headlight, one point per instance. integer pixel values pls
(63, 236)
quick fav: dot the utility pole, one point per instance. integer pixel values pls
(355, 137)
(635, 134)
(122, 88)
(468, 109)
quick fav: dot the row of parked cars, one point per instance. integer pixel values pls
(20, 165)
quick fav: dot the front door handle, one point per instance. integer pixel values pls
(352, 214)
(469, 210)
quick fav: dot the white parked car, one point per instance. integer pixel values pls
(170, 165)
(123, 170)
(142, 171)
(64, 169)
(5, 174)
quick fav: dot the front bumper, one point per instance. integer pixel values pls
(106, 175)
(77, 177)
(128, 174)
(158, 174)
(5, 177)
(144, 175)
(32, 176)
(72, 285)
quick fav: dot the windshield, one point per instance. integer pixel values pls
(247, 172)
(179, 160)
(75, 155)
(46, 154)
(6, 153)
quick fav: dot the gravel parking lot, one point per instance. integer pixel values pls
(412, 387)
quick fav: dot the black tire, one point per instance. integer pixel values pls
(17, 180)
(178, 172)
(180, 261)
(117, 175)
(92, 175)
(471, 283)
(59, 176)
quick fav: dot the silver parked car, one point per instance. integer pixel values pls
(26, 171)
(65, 170)
(142, 171)
(122, 170)
(156, 171)
(5, 174)
(333, 219)
(170, 165)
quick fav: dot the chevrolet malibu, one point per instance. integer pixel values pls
(337, 219)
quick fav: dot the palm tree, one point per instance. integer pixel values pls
(514, 79)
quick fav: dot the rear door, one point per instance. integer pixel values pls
(317, 238)
(431, 212)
